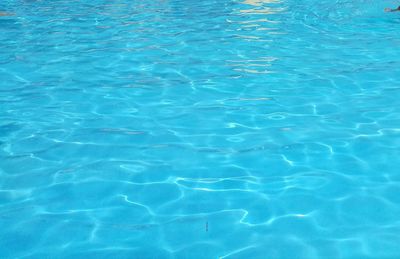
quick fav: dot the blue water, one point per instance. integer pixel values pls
(199, 129)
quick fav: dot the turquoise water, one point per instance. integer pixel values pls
(199, 129)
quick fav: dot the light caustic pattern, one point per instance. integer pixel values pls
(199, 129)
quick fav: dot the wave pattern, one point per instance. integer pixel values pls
(199, 129)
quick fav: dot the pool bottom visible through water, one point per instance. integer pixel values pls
(199, 129)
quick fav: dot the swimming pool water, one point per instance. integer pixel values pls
(199, 129)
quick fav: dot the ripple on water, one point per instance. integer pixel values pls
(169, 129)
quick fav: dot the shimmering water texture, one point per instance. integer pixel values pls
(199, 129)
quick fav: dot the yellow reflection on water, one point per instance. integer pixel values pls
(5, 14)
(264, 9)
(260, 2)
(255, 25)
(258, 66)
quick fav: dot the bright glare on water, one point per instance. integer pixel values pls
(199, 129)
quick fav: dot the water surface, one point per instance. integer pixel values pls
(199, 129)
